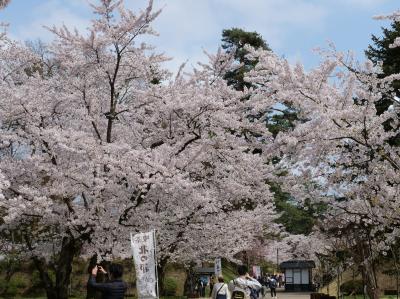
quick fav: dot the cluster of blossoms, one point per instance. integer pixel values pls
(297, 247)
(95, 147)
(4, 3)
(342, 153)
(99, 141)
(395, 17)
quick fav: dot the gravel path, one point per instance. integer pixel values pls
(283, 295)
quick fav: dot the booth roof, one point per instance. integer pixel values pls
(302, 264)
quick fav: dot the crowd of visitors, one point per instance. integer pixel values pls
(111, 286)
(245, 286)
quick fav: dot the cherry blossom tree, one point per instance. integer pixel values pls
(204, 137)
(296, 247)
(94, 148)
(340, 151)
(4, 3)
(3, 184)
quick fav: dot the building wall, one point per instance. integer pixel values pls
(298, 279)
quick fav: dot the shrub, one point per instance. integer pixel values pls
(19, 282)
(170, 286)
(352, 287)
(35, 279)
(12, 291)
(12, 288)
(2, 284)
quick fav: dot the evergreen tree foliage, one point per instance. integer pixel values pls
(380, 51)
(233, 40)
(294, 218)
(281, 120)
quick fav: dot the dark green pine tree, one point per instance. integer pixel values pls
(381, 52)
(233, 40)
(294, 218)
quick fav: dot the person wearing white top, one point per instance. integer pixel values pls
(244, 282)
(220, 290)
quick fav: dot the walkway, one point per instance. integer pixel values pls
(281, 294)
(288, 295)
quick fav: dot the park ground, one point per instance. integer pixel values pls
(284, 295)
(23, 283)
(281, 294)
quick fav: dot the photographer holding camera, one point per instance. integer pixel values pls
(113, 289)
(244, 286)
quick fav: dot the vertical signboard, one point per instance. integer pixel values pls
(144, 248)
(217, 267)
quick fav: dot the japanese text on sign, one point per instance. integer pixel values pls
(143, 248)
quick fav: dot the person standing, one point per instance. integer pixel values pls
(280, 281)
(100, 277)
(244, 286)
(220, 290)
(115, 288)
(212, 282)
(201, 286)
(272, 285)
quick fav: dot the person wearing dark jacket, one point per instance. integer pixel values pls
(115, 288)
(92, 293)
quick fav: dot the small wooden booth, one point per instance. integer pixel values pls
(199, 274)
(298, 275)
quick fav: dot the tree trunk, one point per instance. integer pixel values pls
(190, 283)
(47, 283)
(63, 268)
(372, 288)
(369, 277)
(364, 258)
(161, 267)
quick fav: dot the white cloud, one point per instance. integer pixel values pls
(363, 3)
(187, 26)
(49, 13)
(274, 19)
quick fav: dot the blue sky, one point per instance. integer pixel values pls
(292, 28)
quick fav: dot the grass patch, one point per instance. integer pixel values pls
(26, 284)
